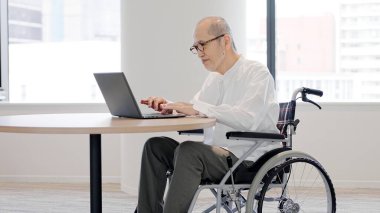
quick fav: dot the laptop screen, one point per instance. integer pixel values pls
(118, 94)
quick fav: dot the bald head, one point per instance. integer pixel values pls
(216, 26)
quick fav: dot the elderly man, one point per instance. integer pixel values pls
(238, 92)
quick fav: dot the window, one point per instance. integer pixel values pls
(340, 48)
(256, 46)
(55, 46)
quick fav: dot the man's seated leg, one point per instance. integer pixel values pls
(194, 161)
(157, 159)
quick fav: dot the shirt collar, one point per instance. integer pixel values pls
(231, 72)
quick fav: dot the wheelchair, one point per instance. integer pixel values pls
(282, 180)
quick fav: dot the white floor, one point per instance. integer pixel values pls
(74, 198)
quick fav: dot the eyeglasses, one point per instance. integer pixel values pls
(200, 46)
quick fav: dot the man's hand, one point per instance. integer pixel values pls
(181, 107)
(156, 104)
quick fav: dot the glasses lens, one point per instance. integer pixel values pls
(193, 50)
(197, 48)
(200, 47)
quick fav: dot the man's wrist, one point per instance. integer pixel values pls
(201, 107)
(199, 114)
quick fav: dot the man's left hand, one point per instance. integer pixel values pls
(181, 107)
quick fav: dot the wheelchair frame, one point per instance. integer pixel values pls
(232, 189)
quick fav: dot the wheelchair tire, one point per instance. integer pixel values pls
(297, 185)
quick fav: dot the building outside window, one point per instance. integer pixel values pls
(329, 45)
(56, 45)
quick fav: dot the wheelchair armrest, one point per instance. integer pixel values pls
(254, 135)
(191, 132)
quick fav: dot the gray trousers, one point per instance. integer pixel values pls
(189, 162)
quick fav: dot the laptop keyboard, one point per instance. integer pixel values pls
(159, 115)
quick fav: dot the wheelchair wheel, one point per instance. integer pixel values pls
(297, 185)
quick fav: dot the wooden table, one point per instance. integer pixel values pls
(96, 124)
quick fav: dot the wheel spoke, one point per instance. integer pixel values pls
(310, 189)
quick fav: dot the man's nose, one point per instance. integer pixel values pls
(200, 53)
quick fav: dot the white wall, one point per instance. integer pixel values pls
(54, 158)
(344, 138)
(156, 37)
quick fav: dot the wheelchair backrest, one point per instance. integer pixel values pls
(287, 112)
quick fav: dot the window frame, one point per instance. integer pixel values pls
(4, 54)
(271, 37)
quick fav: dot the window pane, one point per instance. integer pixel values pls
(256, 31)
(329, 45)
(56, 45)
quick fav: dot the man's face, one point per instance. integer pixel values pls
(213, 53)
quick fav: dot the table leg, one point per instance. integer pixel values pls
(96, 173)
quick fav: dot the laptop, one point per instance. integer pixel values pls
(120, 99)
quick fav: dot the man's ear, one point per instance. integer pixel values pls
(227, 41)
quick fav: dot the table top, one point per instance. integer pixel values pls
(96, 123)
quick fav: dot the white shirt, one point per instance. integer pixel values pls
(243, 99)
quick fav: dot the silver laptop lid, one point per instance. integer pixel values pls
(118, 94)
